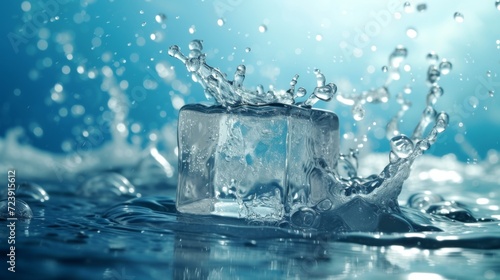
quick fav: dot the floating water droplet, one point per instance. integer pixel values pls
(325, 93)
(402, 146)
(411, 33)
(407, 89)
(491, 93)
(497, 4)
(458, 17)
(358, 112)
(408, 7)
(319, 37)
(423, 200)
(385, 69)
(196, 45)
(488, 73)
(143, 24)
(173, 50)
(160, 18)
(192, 29)
(397, 56)
(32, 191)
(220, 22)
(107, 186)
(301, 92)
(433, 74)
(21, 211)
(473, 101)
(421, 7)
(432, 58)
(262, 28)
(248, 49)
(445, 67)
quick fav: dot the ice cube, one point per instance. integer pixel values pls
(253, 161)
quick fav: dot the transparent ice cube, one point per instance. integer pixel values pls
(253, 162)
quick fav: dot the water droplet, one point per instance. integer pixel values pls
(304, 217)
(385, 69)
(143, 24)
(423, 200)
(220, 22)
(407, 7)
(432, 57)
(407, 89)
(445, 67)
(358, 112)
(497, 4)
(473, 101)
(160, 18)
(411, 33)
(319, 37)
(248, 49)
(32, 191)
(488, 73)
(458, 17)
(421, 7)
(192, 29)
(325, 93)
(301, 92)
(262, 28)
(173, 50)
(433, 74)
(22, 210)
(196, 45)
(402, 146)
(397, 56)
(491, 93)
(107, 186)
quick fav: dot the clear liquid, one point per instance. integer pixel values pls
(380, 190)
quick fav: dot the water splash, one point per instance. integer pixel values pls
(232, 93)
(345, 191)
